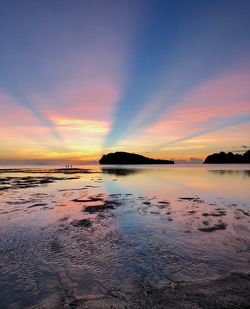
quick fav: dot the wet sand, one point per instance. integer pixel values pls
(67, 241)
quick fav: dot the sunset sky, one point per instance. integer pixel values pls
(166, 79)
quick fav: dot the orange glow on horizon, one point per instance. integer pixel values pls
(85, 122)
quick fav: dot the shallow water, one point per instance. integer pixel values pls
(152, 226)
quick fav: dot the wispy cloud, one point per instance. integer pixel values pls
(171, 63)
(73, 65)
(221, 124)
(9, 103)
(42, 118)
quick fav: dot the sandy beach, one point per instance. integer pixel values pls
(101, 238)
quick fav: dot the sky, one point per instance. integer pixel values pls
(166, 79)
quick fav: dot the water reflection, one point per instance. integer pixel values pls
(231, 172)
(207, 182)
(117, 171)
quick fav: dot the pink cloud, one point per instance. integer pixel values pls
(13, 114)
(225, 96)
(89, 80)
(19, 127)
(94, 101)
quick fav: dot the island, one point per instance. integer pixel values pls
(222, 157)
(120, 157)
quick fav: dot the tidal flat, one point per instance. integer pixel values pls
(125, 237)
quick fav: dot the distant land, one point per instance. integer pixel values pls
(130, 158)
(229, 157)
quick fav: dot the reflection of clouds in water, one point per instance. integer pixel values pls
(111, 186)
(208, 182)
(244, 173)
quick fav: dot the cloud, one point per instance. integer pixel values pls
(209, 104)
(169, 63)
(72, 63)
(220, 124)
(43, 119)
(14, 106)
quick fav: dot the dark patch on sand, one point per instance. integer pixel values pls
(218, 213)
(96, 208)
(154, 212)
(89, 200)
(79, 189)
(81, 223)
(187, 198)
(195, 199)
(115, 195)
(4, 188)
(246, 213)
(24, 182)
(48, 170)
(37, 205)
(192, 212)
(164, 202)
(218, 226)
(205, 222)
(20, 202)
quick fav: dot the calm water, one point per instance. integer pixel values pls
(155, 225)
